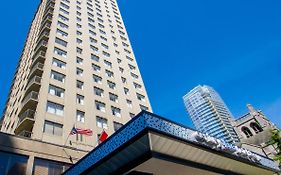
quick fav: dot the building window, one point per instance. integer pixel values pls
(12, 163)
(129, 103)
(113, 97)
(111, 85)
(42, 166)
(55, 108)
(109, 73)
(62, 25)
(79, 72)
(108, 64)
(53, 90)
(126, 91)
(143, 108)
(79, 41)
(137, 86)
(134, 76)
(60, 52)
(59, 63)
(62, 33)
(247, 131)
(57, 76)
(53, 128)
(256, 127)
(102, 122)
(98, 91)
(116, 111)
(140, 97)
(117, 126)
(79, 84)
(79, 60)
(95, 57)
(79, 50)
(96, 67)
(121, 69)
(80, 116)
(124, 80)
(97, 79)
(61, 42)
(100, 106)
(80, 99)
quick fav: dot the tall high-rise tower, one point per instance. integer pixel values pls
(209, 113)
(77, 69)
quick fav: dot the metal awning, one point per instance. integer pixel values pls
(150, 144)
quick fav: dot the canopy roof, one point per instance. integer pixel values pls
(150, 144)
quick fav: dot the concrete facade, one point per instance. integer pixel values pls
(33, 149)
(77, 69)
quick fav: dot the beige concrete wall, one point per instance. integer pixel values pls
(38, 149)
(68, 120)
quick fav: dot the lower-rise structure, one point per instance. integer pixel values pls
(254, 131)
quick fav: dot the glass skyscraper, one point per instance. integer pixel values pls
(209, 113)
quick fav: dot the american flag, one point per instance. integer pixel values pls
(87, 132)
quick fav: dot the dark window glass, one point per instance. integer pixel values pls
(11, 164)
(47, 167)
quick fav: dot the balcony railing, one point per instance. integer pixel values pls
(29, 115)
(33, 84)
(24, 133)
(36, 70)
(46, 26)
(42, 45)
(38, 58)
(25, 123)
(30, 101)
(47, 17)
(44, 35)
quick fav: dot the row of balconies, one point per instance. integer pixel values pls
(29, 103)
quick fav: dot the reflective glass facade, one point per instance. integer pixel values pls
(209, 113)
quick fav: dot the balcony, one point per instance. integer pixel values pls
(39, 58)
(37, 70)
(47, 18)
(46, 26)
(33, 85)
(50, 5)
(41, 46)
(49, 10)
(29, 102)
(44, 35)
(26, 134)
(25, 123)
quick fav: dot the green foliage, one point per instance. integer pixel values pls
(276, 139)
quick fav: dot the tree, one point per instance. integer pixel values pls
(276, 139)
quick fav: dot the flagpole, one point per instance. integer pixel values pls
(69, 135)
(70, 157)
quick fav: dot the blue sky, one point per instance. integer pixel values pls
(233, 46)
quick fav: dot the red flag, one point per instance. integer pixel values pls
(103, 136)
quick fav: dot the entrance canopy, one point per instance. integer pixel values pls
(152, 145)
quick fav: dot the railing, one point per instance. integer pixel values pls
(38, 66)
(35, 79)
(46, 25)
(47, 17)
(24, 133)
(41, 44)
(29, 114)
(31, 96)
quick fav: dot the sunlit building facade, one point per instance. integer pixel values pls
(77, 69)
